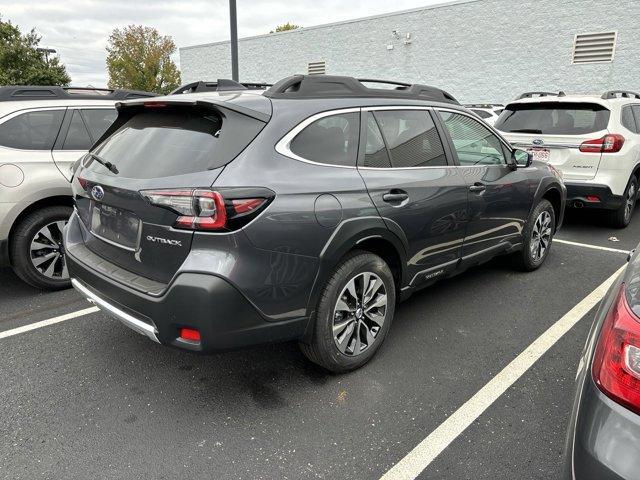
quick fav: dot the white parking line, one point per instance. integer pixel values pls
(45, 323)
(409, 467)
(594, 247)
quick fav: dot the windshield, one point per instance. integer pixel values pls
(553, 118)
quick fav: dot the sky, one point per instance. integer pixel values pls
(79, 29)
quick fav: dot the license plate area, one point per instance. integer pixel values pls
(115, 226)
(540, 154)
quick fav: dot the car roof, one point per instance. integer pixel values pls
(577, 98)
(9, 107)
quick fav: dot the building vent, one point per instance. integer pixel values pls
(316, 68)
(594, 47)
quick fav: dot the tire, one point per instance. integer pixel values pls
(39, 235)
(361, 337)
(537, 237)
(621, 217)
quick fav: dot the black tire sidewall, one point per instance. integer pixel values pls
(325, 346)
(527, 258)
(20, 243)
(618, 216)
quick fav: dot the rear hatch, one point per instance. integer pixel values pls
(554, 131)
(154, 155)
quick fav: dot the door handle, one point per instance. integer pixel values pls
(395, 196)
(477, 187)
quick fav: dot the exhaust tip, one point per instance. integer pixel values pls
(578, 204)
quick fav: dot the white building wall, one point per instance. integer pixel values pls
(478, 50)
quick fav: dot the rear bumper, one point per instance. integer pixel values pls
(210, 304)
(605, 439)
(577, 194)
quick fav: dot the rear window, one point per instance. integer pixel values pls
(169, 141)
(553, 118)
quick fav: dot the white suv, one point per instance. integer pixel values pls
(488, 112)
(594, 140)
(43, 131)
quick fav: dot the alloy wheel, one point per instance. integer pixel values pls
(541, 236)
(47, 251)
(630, 202)
(359, 313)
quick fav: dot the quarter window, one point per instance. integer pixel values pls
(472, 141)
(636, 114)
(32, 130)
(98, 120)
(332, 140)
(412, 138)
(77, 136)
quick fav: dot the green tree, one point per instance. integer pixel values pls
(139, 58)
(22, 63)
(285, 26)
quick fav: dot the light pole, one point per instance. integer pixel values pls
(46, 52)
(233, 18)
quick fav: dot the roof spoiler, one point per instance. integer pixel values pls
(331, 86)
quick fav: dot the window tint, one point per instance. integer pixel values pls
(32, 130)
(98, 120)
(472, 141)
(171, 141)
(412, 138)
(554, 118)
(627, 119)
(375, 152)
(77, 136)
(636, 114)
(482, 113)
(332, 140)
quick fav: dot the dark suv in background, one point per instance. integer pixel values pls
(303, 212)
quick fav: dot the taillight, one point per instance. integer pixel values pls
(201, 209)
(82, 182)
(616, 363)
(611, 143)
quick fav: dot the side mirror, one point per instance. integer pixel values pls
(521, 158)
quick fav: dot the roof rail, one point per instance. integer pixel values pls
(221, 85)
(608, 95)
(331, 86)
(541, 94)
(23, 92)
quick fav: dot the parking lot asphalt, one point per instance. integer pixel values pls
(88, 398)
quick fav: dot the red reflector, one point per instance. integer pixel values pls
(190, 334)
(593, 198)
(616, 363)
(246, 204)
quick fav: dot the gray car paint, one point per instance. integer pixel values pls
(603, 439)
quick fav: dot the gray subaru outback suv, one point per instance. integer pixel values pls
(303, 212)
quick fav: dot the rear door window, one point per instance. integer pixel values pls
(167, 141)
(77, 137)
(554, 118)
(35, 130)
(98, 120)
(375, 151)
(412, 138)
(473, 142)
(636, 114)
(332, 140)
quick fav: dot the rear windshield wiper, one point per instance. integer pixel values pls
(525, 130)
(106, 163)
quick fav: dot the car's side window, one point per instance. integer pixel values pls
(35, 130)
(412, 138)
(332, 140)
(482, 113)
(636, 114)
(77, 136)
(474, 143)
(98, 120)
(627, 119)
(375, 151)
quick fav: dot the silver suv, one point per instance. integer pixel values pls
(43, 131)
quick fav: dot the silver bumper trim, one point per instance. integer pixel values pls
(129, 320)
